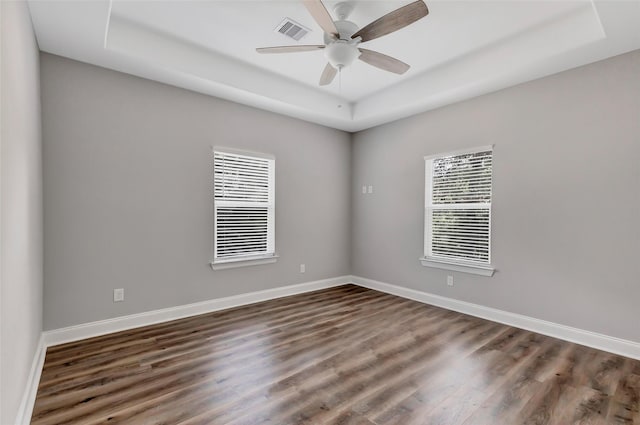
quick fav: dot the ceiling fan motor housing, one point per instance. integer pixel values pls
(345, 30)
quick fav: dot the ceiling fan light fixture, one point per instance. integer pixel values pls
(341, 53)
(342, 37)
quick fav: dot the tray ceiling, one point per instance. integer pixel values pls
(460, 50)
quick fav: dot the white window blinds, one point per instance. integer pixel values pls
(243, 206)
(458, 207)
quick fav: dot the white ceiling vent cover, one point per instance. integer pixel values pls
(292, 29)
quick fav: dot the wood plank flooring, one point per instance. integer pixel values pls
(345, 355)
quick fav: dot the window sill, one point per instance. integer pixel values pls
(458, 267)
(242, 262)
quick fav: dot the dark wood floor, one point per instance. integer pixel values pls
(346, 355)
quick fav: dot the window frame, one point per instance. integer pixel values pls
(269, 256)
(456, 264)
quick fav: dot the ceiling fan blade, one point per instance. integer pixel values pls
(393, 21)
(290, 49)
(328, 75)
(321, 15)
(383, 62)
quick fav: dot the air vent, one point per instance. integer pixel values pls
(292, 29)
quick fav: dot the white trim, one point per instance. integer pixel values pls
(108, 24)
(460, 152)
(31, 389)
(243, 152)
(243, 262)
(269, 204)
(479, 269)
(102, 327)
(429, 208)
(74, 333)
(598, 18)
(579, 336)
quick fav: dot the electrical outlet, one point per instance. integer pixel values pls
(303, 268)
(450, 280)
(118, 295)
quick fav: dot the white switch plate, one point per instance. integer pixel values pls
(370, 190)
(303, 268)
(118, 295)
(364, 189)
(450, 280)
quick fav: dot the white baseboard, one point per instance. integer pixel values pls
(29, 396)
(74, 333)
(102, 327)
(579, 336)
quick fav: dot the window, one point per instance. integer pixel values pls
(243, 208)
(458, 211)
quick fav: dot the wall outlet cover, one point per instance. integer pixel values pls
(118, 295)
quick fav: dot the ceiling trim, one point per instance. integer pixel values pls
(227, 77)
(591, 31)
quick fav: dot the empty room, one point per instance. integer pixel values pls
(374, 212)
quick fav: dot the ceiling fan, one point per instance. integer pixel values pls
(342, 37)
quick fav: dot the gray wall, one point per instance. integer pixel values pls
(128, 194)
(21, 206)
(566, 235)
(127, 171)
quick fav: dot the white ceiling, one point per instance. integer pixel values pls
(460, 50)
